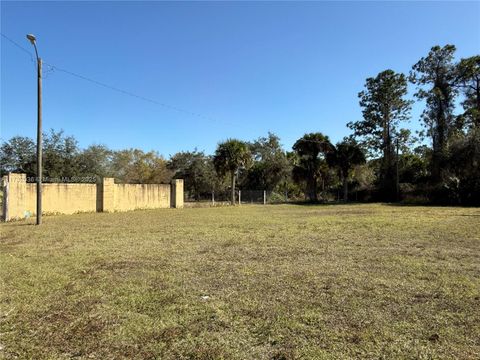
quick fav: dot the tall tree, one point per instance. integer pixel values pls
(229, 157)
(60, 155)
(95, 160)
(197, 171)
(384, 107)
(464, 159)
(18, 155)
(468, 80)
(344, 157)
(311, 150)
(270, 164)
(435, 77)
(137, 166)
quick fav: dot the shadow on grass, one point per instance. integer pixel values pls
(316, 203)
(18, 222)
(392, 204)
(426, 204)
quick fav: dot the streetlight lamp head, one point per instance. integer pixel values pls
(32, 38)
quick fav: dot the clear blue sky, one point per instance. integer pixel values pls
(254, 67)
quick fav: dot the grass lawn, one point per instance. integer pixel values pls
(251, 282)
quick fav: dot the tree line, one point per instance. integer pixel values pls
(379, 161)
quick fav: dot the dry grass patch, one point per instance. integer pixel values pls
(263, 282)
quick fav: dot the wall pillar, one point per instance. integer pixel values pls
(106, 195)
(14, 196)
(3, 189)
(176, 197)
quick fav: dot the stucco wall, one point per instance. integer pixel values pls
(141, 196)
(177, 193)
(62, 198)
(14, 198)
(72, 198)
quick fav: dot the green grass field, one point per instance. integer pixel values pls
(251, 282)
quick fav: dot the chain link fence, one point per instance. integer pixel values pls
(242, 197)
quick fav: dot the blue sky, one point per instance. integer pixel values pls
(247, 68)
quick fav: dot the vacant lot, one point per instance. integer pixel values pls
(251, 282)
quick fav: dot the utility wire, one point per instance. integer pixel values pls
(125, 92)
(32, 59)
(53, 68)
(17, 45)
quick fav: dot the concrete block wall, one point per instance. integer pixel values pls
(177, 193)
(62, 198)
(106, 195)
(19, 198)
(141, 196)
(14, 196)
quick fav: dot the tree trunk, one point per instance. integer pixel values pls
(387, 141)
(439, 146)
(312, 189)
(233, 187)
(477, 115)
(196, 193)
(386, 175)
(345, 187)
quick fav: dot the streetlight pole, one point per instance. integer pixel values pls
(39, 130)
(397, 180)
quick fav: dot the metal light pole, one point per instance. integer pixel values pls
(39, 130)
(397, 180)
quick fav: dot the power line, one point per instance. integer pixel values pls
(32, 59)
(52, 68)
(128, 93)
(17, 45)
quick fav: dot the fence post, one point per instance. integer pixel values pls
(264, 197)
(5, 198)
(239, 197)
(16, 196)
(106, 195)
(176, 193)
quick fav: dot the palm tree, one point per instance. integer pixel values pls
(311, 150)
(346, 155)
(230, 156)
